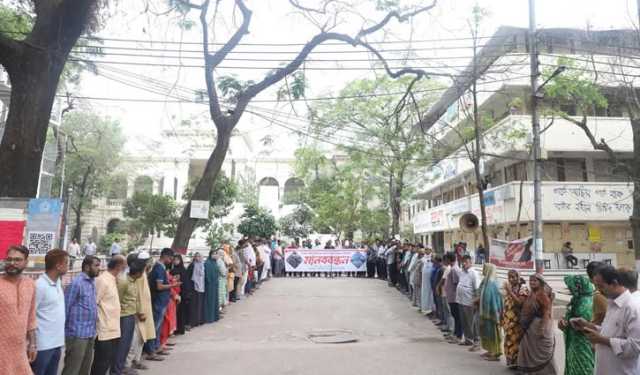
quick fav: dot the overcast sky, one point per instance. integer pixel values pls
(275, 22)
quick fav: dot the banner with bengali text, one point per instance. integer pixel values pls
(325, 260)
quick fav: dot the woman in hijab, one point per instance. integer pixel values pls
(491, 309)
(211, 289)
(195, 274)
(579, 357)
(186, 290)
(229, 262)
(426, 298)
(535, 355)
(516, 292)
(223, 301)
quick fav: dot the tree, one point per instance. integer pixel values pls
(338, 193)
(151, 214)
(238, 94)
(297, 224)
(393, 152)
(34, 62)
(93, 156)
(257, 222)
(223, 196)
(218, 234)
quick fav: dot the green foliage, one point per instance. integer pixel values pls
(231, 86)
(381, 120)
(218, 234)
(294, 88)
(107, 240)
(94, 151)
(374, 223)
(573, 86)
(151, 214)
(223, 195)
(16, 23)
(297, 224)
(257, 222)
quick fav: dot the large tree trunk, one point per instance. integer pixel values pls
(34, 67)
(396, 208)
(33, 90)
(635, 174)
(77, 230)
(186, 225)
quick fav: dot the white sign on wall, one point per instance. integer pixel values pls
(199, 210)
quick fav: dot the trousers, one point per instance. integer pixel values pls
(127, 328)
(104, 357)
(78, 356)
(470, 328)
(457, 319)
(47, 362)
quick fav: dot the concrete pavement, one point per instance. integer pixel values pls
(268, 334)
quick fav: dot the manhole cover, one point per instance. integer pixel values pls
(336, 336)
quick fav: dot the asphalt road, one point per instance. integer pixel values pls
(269, 334)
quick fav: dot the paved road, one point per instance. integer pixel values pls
(267, 334)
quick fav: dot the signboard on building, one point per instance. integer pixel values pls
(43, 225)
(511, 254)
(199, 210)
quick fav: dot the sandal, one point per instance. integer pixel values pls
(154, 358)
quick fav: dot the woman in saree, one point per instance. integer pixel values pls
(579, 356)
(491, 309)
(228, 261)
(535, 355)
(515, 293)
(223, 299)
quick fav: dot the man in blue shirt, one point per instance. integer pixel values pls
(160, 294)
(50, 313)
(81, 316)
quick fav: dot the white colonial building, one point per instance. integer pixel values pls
(169, 166)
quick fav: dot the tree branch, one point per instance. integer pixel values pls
(9, 51)
(597, 145)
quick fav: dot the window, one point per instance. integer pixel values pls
(459, 192)
(516, 172)
(161, 186)
(572, 170)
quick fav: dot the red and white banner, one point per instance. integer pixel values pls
(325, 260)
(515, 254)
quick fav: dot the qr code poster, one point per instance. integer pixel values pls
(39, 243)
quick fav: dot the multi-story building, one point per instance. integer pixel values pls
(585, 199)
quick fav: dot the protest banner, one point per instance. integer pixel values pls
(325, 260)
(511, 254)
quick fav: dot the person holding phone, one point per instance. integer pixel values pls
(617, 340)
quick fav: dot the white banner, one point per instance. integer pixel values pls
(325, 260)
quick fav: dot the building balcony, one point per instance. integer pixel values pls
(576, 202)
(512, 135)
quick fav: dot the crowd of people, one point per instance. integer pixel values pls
(113, 320)
(601, 326)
